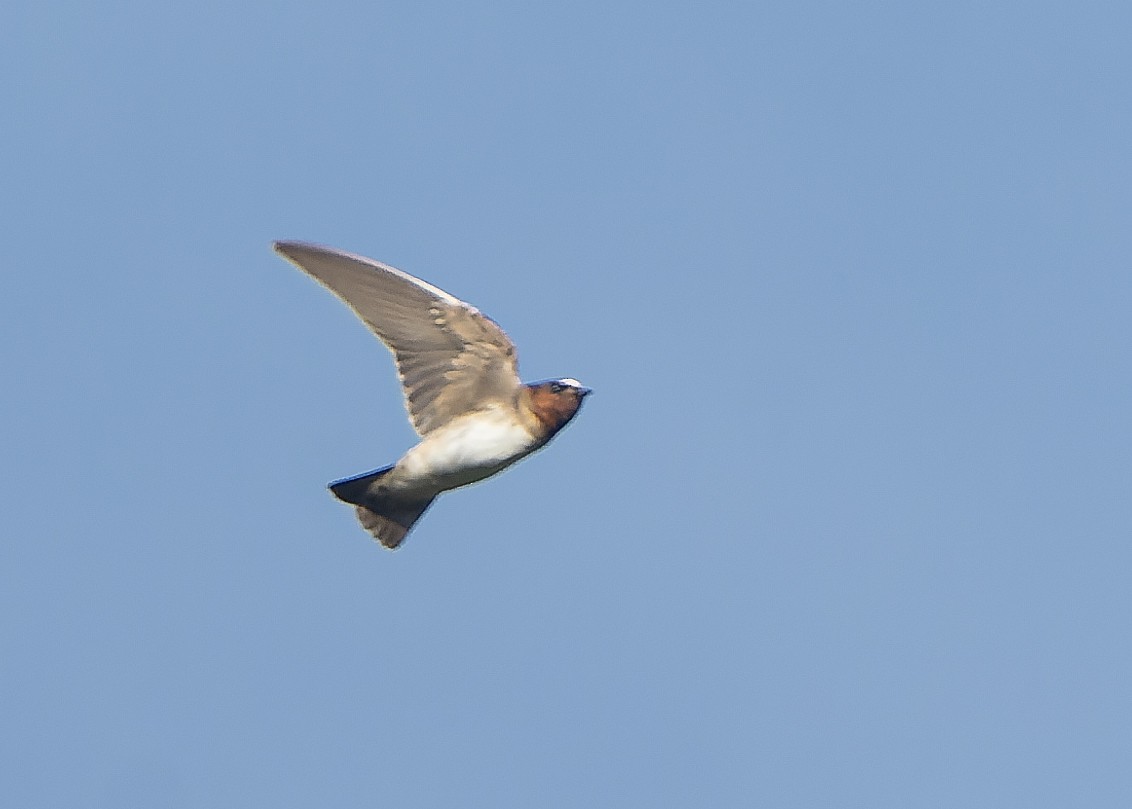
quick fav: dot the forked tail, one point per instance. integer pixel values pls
(388, 515)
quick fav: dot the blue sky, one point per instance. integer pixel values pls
(846, 522)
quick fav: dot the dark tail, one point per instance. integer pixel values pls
(385, 514)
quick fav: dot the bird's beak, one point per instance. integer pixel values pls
(585, 391)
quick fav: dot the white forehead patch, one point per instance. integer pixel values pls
(573, 383)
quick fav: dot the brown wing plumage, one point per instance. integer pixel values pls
(452, 359)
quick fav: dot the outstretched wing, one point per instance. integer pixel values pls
(452, 359)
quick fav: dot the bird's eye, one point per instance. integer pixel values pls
(557, 387)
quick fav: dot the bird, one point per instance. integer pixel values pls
(459, 374)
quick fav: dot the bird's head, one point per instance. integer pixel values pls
(556, 401)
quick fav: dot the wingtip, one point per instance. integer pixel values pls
(285, 247)
(295, 251)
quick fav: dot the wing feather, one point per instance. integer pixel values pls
(451, 358)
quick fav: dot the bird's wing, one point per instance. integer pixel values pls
(451, 358)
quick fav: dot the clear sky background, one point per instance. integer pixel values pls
(845, 523)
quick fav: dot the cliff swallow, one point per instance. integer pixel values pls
(461, 382)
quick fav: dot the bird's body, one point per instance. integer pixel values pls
(468, 449)
(462, 389)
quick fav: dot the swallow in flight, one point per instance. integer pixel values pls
(461, 382)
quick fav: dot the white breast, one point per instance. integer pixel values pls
(468, 449)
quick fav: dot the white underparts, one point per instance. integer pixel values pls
(468, 449)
